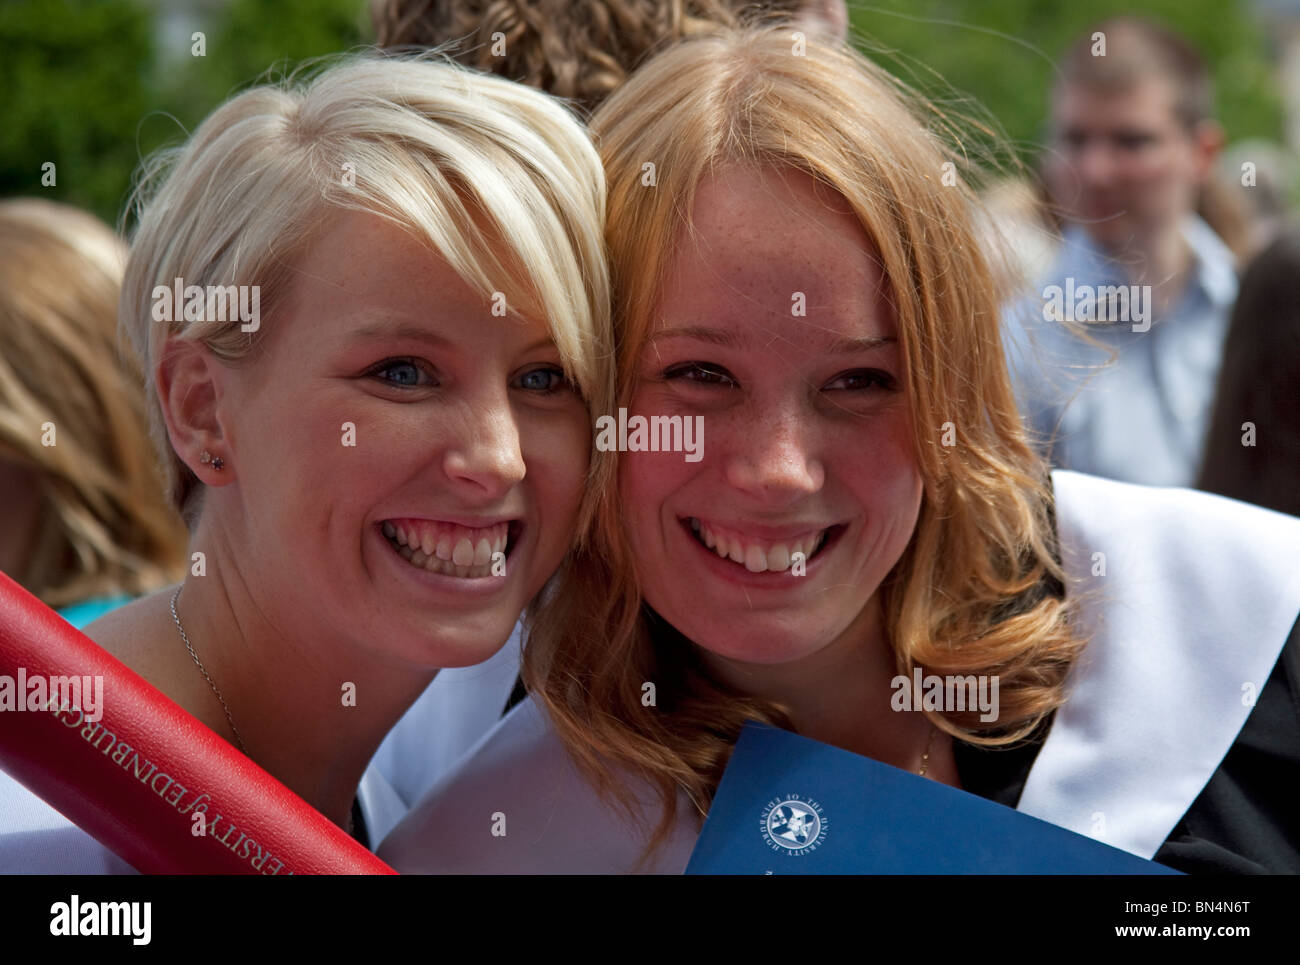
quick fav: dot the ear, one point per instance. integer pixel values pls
(1207, 141)
(190, 383)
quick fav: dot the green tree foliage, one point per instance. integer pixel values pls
(1003, 55)
(92, 85)
(253, 41)
(74, 76)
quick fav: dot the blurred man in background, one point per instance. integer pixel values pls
(1132, 151)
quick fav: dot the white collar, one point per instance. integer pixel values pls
(1214, 266)
(1198, 598)
(381, 807)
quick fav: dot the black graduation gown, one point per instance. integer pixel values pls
(1246, 821)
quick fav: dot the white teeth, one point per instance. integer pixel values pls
(776, 559)
(435, 565)
(463, 554)
(441, 552)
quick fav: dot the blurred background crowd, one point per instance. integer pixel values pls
(1160, 166)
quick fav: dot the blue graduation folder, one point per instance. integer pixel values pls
(791, 805)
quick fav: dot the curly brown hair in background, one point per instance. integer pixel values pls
(577, 49)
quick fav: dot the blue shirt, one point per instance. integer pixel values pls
(1142, 418)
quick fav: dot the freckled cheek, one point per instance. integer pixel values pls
(647, 483)
(882, 468)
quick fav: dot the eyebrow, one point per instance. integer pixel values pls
(375, 331)
(378, 331)
(842, 345)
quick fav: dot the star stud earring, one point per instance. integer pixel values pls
(216, 462)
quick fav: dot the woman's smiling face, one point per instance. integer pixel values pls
(808, 444)
(409, 467)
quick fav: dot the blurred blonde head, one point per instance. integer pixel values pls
(104, 526)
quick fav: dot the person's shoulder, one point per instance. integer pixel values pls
(36, 839)
(1186, 600)
(1217, 535)
(1188, 559)
(518, 804)
(128, 631)
(87, 611)
(1215, 264)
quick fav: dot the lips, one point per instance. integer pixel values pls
(451, 548)
(756, 553)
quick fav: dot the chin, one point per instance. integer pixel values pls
(1112, 231)
(757, 641)
(443, 641)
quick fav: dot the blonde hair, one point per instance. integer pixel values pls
(979, 588)
(578, 49)
(499, 179)
(105, 527)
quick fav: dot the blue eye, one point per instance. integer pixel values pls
(862, 380)
(705, 373)
(402, 373)
(544, 381)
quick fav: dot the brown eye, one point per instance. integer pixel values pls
(863, 380)
(704, 373)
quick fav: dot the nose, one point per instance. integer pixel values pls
(775, 459)
(1095, 162)
(485, 453)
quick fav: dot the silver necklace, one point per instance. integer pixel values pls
(215, 690)
(206, 676)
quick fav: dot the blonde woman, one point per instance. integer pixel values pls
(804, 281)
(381, 440)
(84, 523)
